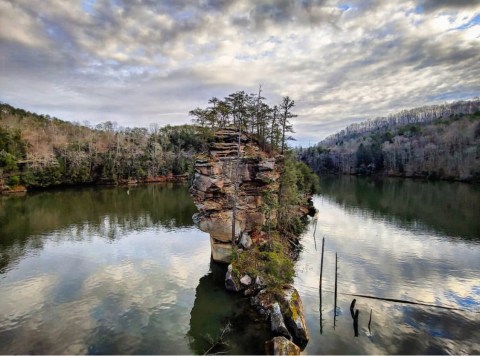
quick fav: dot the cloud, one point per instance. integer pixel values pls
(433, 5)
(135, 62)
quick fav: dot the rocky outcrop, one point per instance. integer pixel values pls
(277, 323)
(248, 179)
(294, 318)
(230, 283)
(280, 345)
(213, 189)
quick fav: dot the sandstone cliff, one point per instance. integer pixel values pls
(263, 265)
(213, 190)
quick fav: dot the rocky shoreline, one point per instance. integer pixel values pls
(260, 258)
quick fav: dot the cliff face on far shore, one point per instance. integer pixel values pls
(256, 174)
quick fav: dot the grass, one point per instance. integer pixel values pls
(270, 261)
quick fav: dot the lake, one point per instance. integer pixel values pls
(124, 270)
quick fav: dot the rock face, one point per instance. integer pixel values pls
(255, 177)
(213, 189)
(277, 323)
(281, 346)
(294, 318)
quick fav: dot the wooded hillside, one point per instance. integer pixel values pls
(40, 151)
(441, 141)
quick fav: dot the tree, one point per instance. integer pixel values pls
(8, 162)
(286, 114)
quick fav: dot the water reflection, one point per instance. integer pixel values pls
(384, 254)
(78, 214)
(354, 313)
(214, 308)
(133, 296)
(449, 208)
(91, 271)
(127, 276)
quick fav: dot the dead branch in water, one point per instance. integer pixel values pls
(219, 340)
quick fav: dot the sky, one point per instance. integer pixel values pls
(143, 62)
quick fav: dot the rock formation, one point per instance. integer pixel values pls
(228, 179)
(213, 189)
(280, 345)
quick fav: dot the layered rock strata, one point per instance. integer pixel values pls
(252, 171)
(228, 177)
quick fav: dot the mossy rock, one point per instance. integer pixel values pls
(294, 317)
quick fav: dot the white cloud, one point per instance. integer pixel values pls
(134, 63)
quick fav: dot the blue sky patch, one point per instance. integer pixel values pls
(87, 6)
(475, 21)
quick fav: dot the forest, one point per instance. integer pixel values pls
(435, 142)
(42, 151)
(39, 151)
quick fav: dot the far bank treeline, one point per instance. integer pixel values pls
(40, 151)
(435, 142)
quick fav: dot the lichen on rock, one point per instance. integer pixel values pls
(280, 345)
(294, 317)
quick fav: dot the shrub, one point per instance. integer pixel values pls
(7, 161)
(13, 181)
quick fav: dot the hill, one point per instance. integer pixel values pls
(42, 151)
(440, 141)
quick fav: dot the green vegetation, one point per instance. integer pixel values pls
(43, 151)
(434, 142)
(270, 261)
(250, 114)
(283, 205)
(8, 162)
(297, 184)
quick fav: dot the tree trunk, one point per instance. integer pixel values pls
(234, 209)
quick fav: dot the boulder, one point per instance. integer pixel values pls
(213, 188)
(219, 226)
(259, 283)
(230, 283)
(277, 324)
(255, 286)
(280, 345)
(294, 317)
(246, 280)
(246, 241)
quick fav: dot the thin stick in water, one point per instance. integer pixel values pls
(321, 265)
(370, 322)
(335, 302)
(320, 285)
(321, 321)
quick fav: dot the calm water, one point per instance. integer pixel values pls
(396, 239)
(112, 270)
(123, 270)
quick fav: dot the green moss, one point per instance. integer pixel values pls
(270, 261)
